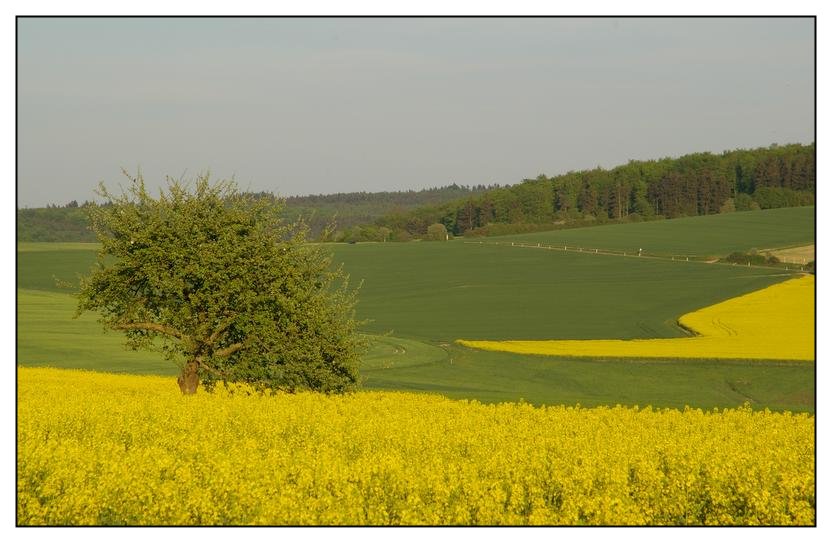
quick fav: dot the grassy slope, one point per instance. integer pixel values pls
(496, 377)
(47, 336)
(433, 293)
(448, 291)
(715, 235)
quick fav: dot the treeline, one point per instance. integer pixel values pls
(344, 211)
(405, 198)
(695, 184)
(54, 223)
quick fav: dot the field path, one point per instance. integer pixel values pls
(696, 259)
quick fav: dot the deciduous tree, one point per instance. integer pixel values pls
(218, 283)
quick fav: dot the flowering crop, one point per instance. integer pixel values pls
(775, 323)
(107, 449)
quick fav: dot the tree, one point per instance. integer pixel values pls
(218, 283)
(437, 232)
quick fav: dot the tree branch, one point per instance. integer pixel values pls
(228, 351)
(151, 327)
(216, 334)
(216, 372)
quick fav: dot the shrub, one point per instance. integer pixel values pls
(437, 232)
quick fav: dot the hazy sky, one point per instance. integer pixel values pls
(300, 106)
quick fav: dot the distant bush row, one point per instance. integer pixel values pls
(754, 258)
(751, 258)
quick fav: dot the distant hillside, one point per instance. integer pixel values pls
(694, 184)
(344, 210)
(349, 209)
(53, 223)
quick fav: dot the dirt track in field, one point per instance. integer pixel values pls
(797, 255)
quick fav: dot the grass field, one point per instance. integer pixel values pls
(447, 291)
(706, 235)
(423, 296)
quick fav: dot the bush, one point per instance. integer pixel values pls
(751, 258)
(401, 235)
(437, 232)
(774, 197)
(728, 206)
(743, 202)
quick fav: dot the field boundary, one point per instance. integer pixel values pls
(795, 269)
(796, 254)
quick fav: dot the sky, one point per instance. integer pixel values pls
(309, 106)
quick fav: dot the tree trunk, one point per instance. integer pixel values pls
(189, 380)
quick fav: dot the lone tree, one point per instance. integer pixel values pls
(218, 283)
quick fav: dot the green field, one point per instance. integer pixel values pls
(448, 291)
(705, 235)
(422, 296)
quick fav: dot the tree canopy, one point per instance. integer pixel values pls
(693, 184)
(218, 283)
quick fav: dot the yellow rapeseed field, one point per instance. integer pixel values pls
(107, 449)
(775, 323)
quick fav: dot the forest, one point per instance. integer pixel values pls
(68, 222)
(694, 184)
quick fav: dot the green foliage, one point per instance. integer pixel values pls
(219, 283)
(744, 202)
(365, 232)
(694, 184)
(753, 258)
(401, 235)
(53, 224)
(348, 210)
(774, 197)
(437, 232)
(728, 206)
(320, 213)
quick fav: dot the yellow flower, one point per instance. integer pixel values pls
(115, 449)
(775, 323)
